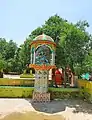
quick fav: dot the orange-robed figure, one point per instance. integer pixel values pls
(58, 77)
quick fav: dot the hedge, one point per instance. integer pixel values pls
(64, 93)
(20, 82)
(26, 76)
(85, 84)
(16, 82)
(26, 92)
(85, 89)
(16, 92)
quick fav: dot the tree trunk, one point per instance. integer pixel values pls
(1, 74)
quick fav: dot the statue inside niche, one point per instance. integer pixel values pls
(43, 55)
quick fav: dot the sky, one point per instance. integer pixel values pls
(18, 18)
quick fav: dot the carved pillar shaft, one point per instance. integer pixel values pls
(41, 81)
(34, 57)
(53, 58)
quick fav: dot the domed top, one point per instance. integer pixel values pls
(43, 37)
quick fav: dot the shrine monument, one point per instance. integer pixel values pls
(42, 60)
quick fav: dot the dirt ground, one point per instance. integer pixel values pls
(25, 109)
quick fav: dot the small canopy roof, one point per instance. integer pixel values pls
(43, 37)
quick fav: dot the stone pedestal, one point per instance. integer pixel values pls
(40, 93)
(41, 97)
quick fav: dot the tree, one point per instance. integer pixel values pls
(7, 50)
(3, 46)
(87, 63)
(82, 25)
(74, 45)
(2, 64)
(22, 56)
(10, 50)
(72, 40)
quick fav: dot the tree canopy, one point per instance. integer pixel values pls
(74, 45)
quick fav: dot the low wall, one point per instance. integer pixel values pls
(85, 89)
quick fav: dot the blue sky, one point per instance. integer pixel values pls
(19, 17)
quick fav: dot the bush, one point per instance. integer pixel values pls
(85, 89)
(64, 93)
(26, 92)
(26, 76)
(16, 82)
(86, 94)
(16, 92)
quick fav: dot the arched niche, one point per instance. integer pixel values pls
(43, 55)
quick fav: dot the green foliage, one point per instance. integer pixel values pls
(85, 95)
(25, 92)
(82, 25)
(85, 90)
(20, 82)
(63, 93)
(16, 92)
(88, 62)
(2, 63)
(10, 50)
(7, 51)
(72, 40)
(16, 82)
(73, 48)
(73, 45)
(24, 72)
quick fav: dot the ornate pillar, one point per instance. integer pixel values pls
(41, 81)
(34, 57)
(31, 57)
(53, 58)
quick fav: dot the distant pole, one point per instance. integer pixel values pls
(64, 79)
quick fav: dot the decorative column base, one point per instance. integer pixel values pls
(41, 97)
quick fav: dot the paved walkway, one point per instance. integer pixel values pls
(70, 109)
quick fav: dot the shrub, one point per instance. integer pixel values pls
(85, 89)
(16, 92)
(64, 93)
(16, 82)
(85, 94)
(26, 76)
